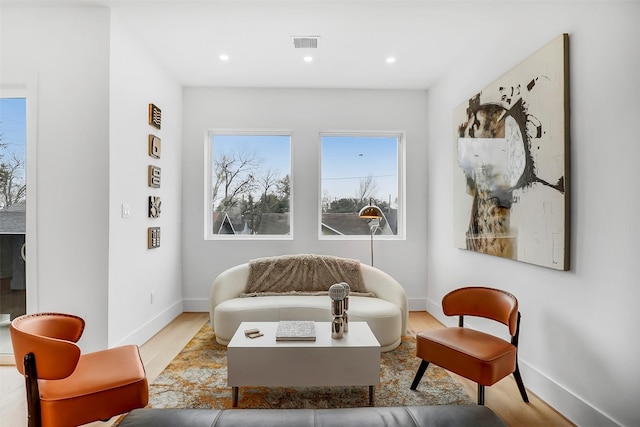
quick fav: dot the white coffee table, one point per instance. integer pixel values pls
(353, 360)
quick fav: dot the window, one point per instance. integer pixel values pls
(249, 185)
(358, 169)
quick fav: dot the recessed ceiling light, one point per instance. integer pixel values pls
(224, 57)
(308, 58)
(391, 60)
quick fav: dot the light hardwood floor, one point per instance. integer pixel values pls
(503, 398)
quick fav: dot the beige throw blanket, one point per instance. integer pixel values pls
(302, 274)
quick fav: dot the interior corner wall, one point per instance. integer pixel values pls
(577, 343)
(144, 284)
(305, 112)
(72, 153)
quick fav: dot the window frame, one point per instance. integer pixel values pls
(208, 183)
(401, 159)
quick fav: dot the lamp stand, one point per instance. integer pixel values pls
(373, 226)
(372, 246)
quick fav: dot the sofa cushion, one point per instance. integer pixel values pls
(384, 318)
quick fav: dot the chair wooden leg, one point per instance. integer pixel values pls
(33, 392)
(480, 394)
(518, 377)
(421, 370)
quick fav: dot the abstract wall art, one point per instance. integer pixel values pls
(155, 146)
(511, 168)
(153, 176)
(155, 116)
(154, 206)
(153, 237)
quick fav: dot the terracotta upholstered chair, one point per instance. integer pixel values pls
(66, 388)
(478, 356)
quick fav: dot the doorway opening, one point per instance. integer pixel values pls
(13, 193)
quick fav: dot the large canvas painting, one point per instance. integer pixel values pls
(512, 163)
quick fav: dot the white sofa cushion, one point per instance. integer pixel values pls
(384, 318)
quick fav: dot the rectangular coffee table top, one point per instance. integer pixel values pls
(263, 361)
(359, 335)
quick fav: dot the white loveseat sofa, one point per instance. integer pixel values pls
(386, 312)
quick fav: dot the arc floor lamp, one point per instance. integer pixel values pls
(372, 213)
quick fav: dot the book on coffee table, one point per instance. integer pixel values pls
(296, 330)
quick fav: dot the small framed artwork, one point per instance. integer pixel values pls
(154, 146)
(154, 176)
(153, 237)
(154, 206)
(155, 116)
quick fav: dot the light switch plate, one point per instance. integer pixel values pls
(126, 210)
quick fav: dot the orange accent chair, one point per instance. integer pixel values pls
(66, 388)
(478, 356)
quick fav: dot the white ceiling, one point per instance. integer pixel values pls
(356, 37)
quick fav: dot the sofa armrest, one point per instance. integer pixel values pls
(387, 288)
(229, 284)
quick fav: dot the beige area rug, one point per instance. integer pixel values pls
(197, 378)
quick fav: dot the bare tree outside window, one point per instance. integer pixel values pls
(367, 189)
(250, 184)
(235, 174)
(12, 186)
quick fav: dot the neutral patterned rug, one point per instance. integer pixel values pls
(197, 378)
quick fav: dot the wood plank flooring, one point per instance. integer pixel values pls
(503, 398)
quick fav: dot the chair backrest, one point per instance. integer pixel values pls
(51, 337)
(489, 303)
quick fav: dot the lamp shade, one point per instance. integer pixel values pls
(370, 211)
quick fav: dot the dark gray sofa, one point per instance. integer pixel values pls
(404, 416)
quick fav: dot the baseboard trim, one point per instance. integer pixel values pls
(562, 400)
(555, 395)
(153, 326)
(435, 309)
(196, 305)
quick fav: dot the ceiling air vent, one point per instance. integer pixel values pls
(310, 42)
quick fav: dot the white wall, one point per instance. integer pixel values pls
(578, 342)
(135, 271)
(72, 78)
(306, 113)
(92, 94)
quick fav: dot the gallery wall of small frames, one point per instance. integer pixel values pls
(154, 175)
